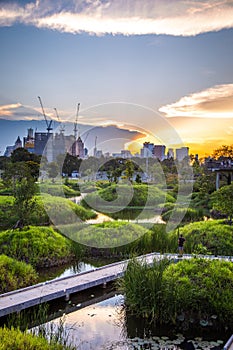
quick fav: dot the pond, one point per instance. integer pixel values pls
(106, 325)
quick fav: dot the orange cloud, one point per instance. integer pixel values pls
(214, 102)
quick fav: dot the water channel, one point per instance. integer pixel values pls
(106, 325)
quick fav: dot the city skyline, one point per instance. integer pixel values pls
(161, 68)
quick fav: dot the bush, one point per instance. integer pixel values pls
(190, 292)
(39, 246)
(107, 234)
(59, 190)
(15, 274)
(59, 210)
(15, 339)
(188, 214)
(210, 237)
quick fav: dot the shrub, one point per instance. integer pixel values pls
(39, 246)
(107, 234)
(190, 292)
(211, 237)
(15, 274)
(15, 339)
(59, 190)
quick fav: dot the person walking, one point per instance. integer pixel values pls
(181, 241)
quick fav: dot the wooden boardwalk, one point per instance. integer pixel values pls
(27, 297)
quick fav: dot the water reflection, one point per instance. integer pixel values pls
(106, 326)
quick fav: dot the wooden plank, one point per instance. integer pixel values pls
(27, 297)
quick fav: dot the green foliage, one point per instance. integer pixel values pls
(188, 291)
(142, 286)
(39, 246)
(15, 339)
(188, 214)
(118, 196)
(201, 288)
(59, 190)
(7, 216)
(61, 210)
(211, 237)
(15, 274)
(222, 200)
(24, 203)
(107, 234)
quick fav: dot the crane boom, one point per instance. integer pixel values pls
(62, 128)
(48, 123)
(76, 122)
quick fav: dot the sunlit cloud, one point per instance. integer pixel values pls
(215, 102)
(9, 109)
(127, 17)
(16, 111)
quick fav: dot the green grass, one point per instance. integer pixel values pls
(39, 246)
(15, 274)
(15, 339)
(107, 234)
(58, 209)
(189, 293)
(59, 190)
(206, 237)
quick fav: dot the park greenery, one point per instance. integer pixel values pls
(191, 292)
(15, 274)
(36, 212)
(13, 338)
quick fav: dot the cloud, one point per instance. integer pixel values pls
(127, 17)
(215, 102)
(16, 111)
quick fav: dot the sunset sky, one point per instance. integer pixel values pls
(161, 67)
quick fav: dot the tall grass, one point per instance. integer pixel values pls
(188, 293)
(15, 274)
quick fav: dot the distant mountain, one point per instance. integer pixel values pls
(108, 138)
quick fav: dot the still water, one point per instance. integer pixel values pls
(105, 325)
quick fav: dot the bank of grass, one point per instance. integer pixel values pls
(205, 237)
(60, 209)
(195, 292)
(15, 274)
(15, 339)
(186, 214)
(123, 197)
(118, 239)
(39, 246)
(56, 189)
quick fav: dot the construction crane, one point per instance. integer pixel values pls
(95, 149)
(62, 127)
(76, 123)
(48, 123)
(86, 138)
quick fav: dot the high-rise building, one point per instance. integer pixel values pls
(181, 153)
(159, 152)
(147, 150)
(29, 141)
(77, 148)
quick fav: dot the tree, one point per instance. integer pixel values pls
(129, 171)
(224, 151)
(222, 200)
(53, 170)
(24, 203)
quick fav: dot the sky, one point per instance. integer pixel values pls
(163, 68)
